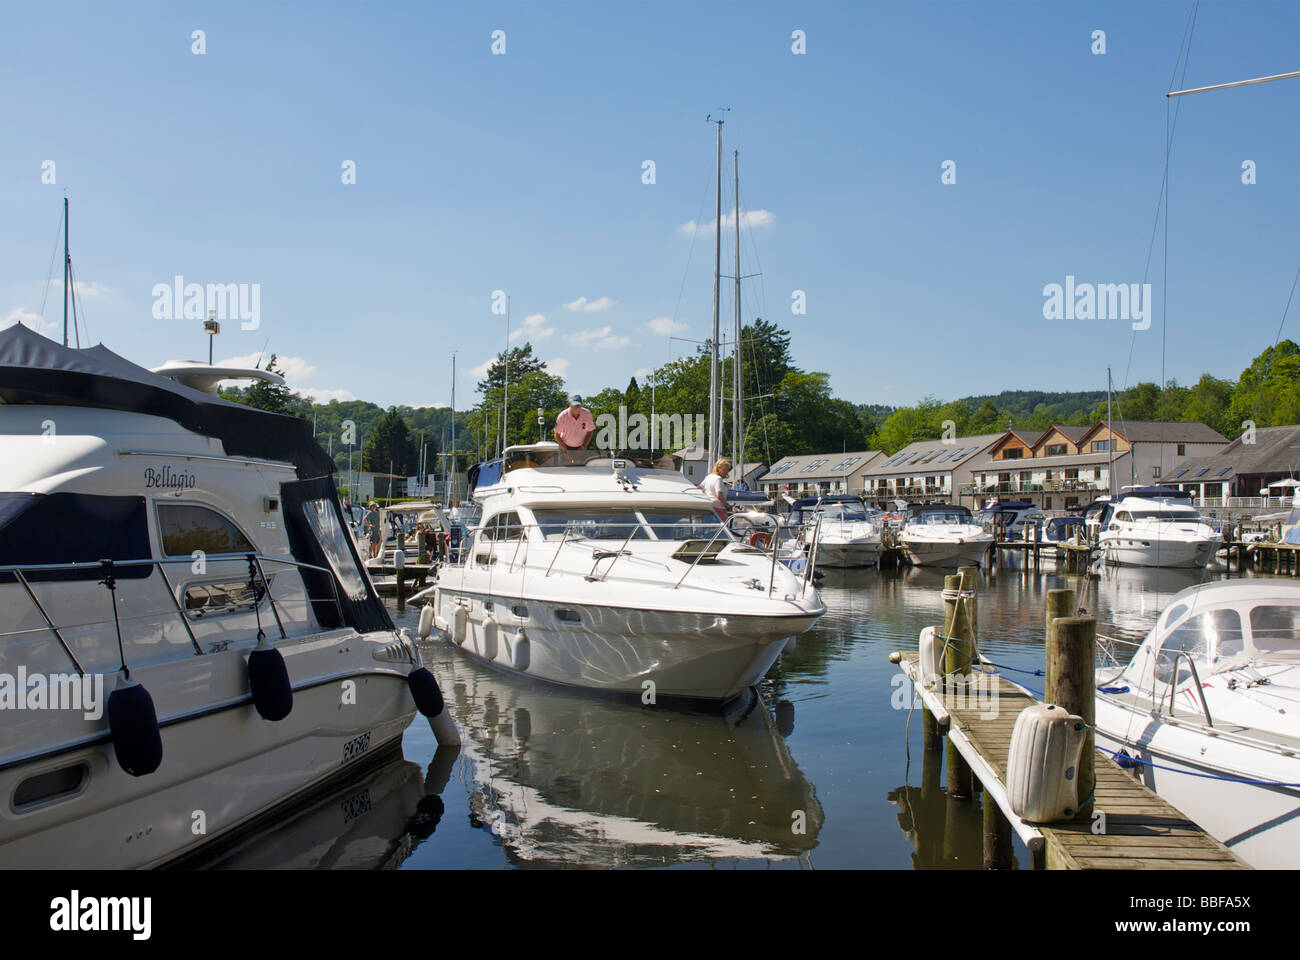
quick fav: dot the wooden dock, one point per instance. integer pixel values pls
(1141, 831)
(1069, 557)
(1123, 825)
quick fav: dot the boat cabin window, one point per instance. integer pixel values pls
(502, 527)
(1171, 515)
(186, 527)
(1275, 630)
(1207, 636)
(689, 524)
(328, 530)
(590, 524)
(945, 517)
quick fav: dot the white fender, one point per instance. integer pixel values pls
(459, 623)
(521, 655)
(491, 632)
(426, 622)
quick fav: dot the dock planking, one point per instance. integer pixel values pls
(1141, 831)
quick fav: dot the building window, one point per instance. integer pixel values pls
(1102, 446)
(1155, 473)
(1055, 450)
(1047, 504)
(1182, 449)
(1072, 474)
(1012, 453)
(1096, 473)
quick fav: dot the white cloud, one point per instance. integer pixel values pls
(600, 337)
(85, 288)
(558, 367)
(431, 406)
(294, 369)
(666, 326)
(482, 369)
(750, 218)
(534, 328)
(590, 306)
(324, 395)
(33, 321)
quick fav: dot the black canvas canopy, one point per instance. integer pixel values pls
(35, 369)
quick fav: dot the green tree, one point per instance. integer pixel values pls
(390, 447)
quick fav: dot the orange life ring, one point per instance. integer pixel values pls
(760, 539)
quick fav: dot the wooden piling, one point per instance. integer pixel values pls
(997, 837)
(401, 589)
(958, 656)
(1071, 685)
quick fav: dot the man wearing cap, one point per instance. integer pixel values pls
(575, 425)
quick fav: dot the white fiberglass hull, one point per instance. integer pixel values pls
(621, 649)
(1260, 824)
(945, 553)
(223, 765)
(1126, 551)
(853, 553)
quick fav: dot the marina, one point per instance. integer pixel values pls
(452, 463)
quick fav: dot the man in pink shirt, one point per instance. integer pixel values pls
(574, 426)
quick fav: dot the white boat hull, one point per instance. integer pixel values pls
(1259, 824)
(852, 554)
(1133, 552)
(223, 765)
(945, 553)
(620, 649)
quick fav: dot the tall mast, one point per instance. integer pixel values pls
(505, 388)
(737, 409)
(67, 265)
(1110, 430)
(455, 480)
(715, 403)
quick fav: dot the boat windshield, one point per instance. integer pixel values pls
(1169, 515)
(1275, 630)
(843, 511)
(1205, 637)
(937, 517)
(609, 523)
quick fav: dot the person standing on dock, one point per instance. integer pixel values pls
(574, 425)
(372, 528)
(714, 485)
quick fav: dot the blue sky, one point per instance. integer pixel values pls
(522, 172)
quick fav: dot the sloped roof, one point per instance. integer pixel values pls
(1072, 432)
(933, 456)
(1155, 431)
(819, 466)
(1276, 450)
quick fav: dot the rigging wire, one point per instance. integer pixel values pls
(49, 280)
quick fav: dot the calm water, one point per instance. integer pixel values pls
(553, 777)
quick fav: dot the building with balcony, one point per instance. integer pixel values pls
(1068, 466)
(926, 470)
(812, 474)
(1239, 473)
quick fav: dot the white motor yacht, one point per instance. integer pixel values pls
(1206, 711)
(847, 531)
(943, 535)
(1156, 527)
(190, 640)
(603, 572)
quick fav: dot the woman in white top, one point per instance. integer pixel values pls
(714, 486)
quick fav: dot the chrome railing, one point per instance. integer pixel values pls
(109, 569)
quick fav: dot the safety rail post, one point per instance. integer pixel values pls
(50, 623)
(254, 560)
(721, 526)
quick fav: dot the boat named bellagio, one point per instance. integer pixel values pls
(615, 573)
(187, 556)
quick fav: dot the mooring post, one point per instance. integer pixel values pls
(401, 587)
(958, 654)
(1071, 685)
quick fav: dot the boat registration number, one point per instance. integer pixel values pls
(356, 747)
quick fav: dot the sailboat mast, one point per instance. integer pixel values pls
(715, 404)
(1110, 430)
(67, 265)
(737, 410)
(455, 481)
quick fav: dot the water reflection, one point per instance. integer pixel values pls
(565, 778)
